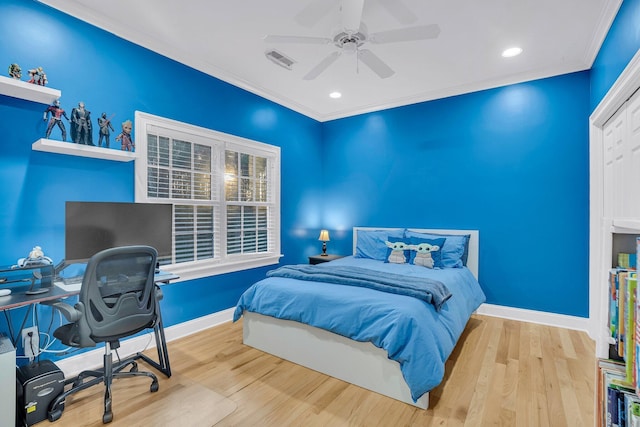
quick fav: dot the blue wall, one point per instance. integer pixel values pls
(618, 48)
(511, 162)
(115, 76)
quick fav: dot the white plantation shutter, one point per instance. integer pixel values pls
(247, 195)
(224, 191)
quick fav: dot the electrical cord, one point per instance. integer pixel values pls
(33, 352)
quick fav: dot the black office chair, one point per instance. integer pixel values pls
(117, 299)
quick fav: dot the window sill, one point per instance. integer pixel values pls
(192, 272)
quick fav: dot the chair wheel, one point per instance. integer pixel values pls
(154, 387)
(77, 383)
(107, 417)
(134, 367)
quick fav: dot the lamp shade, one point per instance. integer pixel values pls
(324, 236)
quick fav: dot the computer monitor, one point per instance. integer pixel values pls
(93, 226)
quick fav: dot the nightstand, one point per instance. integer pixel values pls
(319, 259)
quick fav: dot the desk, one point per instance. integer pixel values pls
(21, 299)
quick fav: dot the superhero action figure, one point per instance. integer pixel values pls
(105, 129)
(37, 76)
(125, 136)
(15, 71)
(57, 114)
(81, 125)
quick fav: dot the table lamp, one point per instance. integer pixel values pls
(324, 238)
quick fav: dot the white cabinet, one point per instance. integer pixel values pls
(621, 156)
(615, 221)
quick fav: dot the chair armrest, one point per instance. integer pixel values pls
(70, 313)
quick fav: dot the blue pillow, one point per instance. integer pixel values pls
(398, 251)
(426, 252)
(454, 250)
(370, 243)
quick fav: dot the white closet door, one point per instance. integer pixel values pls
(614, 157)
(632, 198)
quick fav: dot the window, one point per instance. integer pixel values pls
(225, 192)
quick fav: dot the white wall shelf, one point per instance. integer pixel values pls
(29, 91)
(69, 148)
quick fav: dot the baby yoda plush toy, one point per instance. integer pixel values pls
(396, 255)
(423, 254)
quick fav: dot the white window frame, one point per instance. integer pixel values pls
(221, 263)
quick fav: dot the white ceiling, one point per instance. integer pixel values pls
(226, 40)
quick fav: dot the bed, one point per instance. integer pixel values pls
(389, 343)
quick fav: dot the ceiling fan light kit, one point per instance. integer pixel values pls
(355, 34)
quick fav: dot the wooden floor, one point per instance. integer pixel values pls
(502, 372)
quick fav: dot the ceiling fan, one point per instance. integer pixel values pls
(354, 33)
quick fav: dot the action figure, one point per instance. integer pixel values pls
(38, 76)
(15, 71)
(125, 136)
(81, 125)
(57, 114)
(105, 129)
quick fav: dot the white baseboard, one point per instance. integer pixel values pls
(540, 317)
(73, 365)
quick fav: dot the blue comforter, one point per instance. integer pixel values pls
(412, 332)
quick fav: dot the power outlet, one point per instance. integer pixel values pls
(31, 342)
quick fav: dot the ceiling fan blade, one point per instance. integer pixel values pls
(421, 32)
(323, 65)
(352, 14)
(296, 39)
(376, 64)
(314, 12)
(399, 11)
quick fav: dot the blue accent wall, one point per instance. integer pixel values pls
(618, 48)
(511, 162)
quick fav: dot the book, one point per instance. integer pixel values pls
(630, 329)
(613, 304)
(629, 400)
(622, 296)
(612, 407)
(612, 382)
(636, 363)
(634, 418)
(627, 260)
(607, 369)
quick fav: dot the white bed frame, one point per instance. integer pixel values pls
(359, 363)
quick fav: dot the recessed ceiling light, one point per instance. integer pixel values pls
(512, 51)
(335, 95)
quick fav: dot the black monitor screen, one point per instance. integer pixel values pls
(93, 226)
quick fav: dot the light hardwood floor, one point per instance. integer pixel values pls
(502, 372)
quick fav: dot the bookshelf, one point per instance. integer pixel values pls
(28, 91)
(69, 148)
(615, 229)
